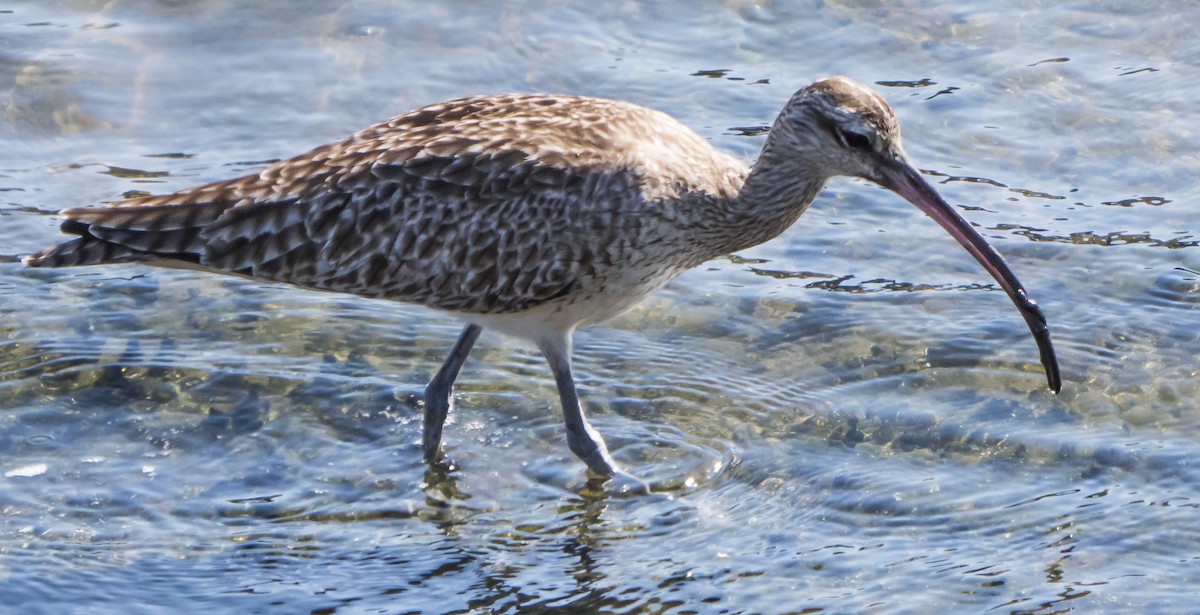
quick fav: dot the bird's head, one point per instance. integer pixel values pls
(844, 127)
(837, 126)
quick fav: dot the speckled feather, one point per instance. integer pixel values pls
(481, 205)
(491, 205)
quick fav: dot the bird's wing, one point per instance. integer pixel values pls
(458, 230)
(484, 204)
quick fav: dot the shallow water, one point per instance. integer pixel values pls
(848, 419)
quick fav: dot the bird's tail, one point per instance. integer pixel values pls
(130, 233)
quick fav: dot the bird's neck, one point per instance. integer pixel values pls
(777, 190)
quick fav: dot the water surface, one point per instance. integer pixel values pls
(850, 418)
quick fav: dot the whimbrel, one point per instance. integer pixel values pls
(529, 214)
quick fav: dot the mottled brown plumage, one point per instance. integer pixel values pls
(481, 205)
(530, 213)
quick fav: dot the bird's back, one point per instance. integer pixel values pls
(485, 205)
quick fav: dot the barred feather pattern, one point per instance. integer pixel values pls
(484, 205)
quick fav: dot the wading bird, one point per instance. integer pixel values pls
(529, 214)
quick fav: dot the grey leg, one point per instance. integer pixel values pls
(583, 440)
(439, 391)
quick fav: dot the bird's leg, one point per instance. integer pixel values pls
(582, 439)
(439, 391)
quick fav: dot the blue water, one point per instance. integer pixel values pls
(848, 419)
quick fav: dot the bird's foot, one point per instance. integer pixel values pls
(616, 482)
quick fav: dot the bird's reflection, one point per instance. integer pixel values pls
(573, 538)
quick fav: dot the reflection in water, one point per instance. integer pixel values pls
(1154, 201)
(135, 174)
(579, 541)
(1025, 192)
(920, 83)
(1091, 238)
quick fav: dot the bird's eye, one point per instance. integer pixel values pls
(853, 139)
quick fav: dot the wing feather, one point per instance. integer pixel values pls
(454, 206)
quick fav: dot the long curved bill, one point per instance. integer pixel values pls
(906, 181)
